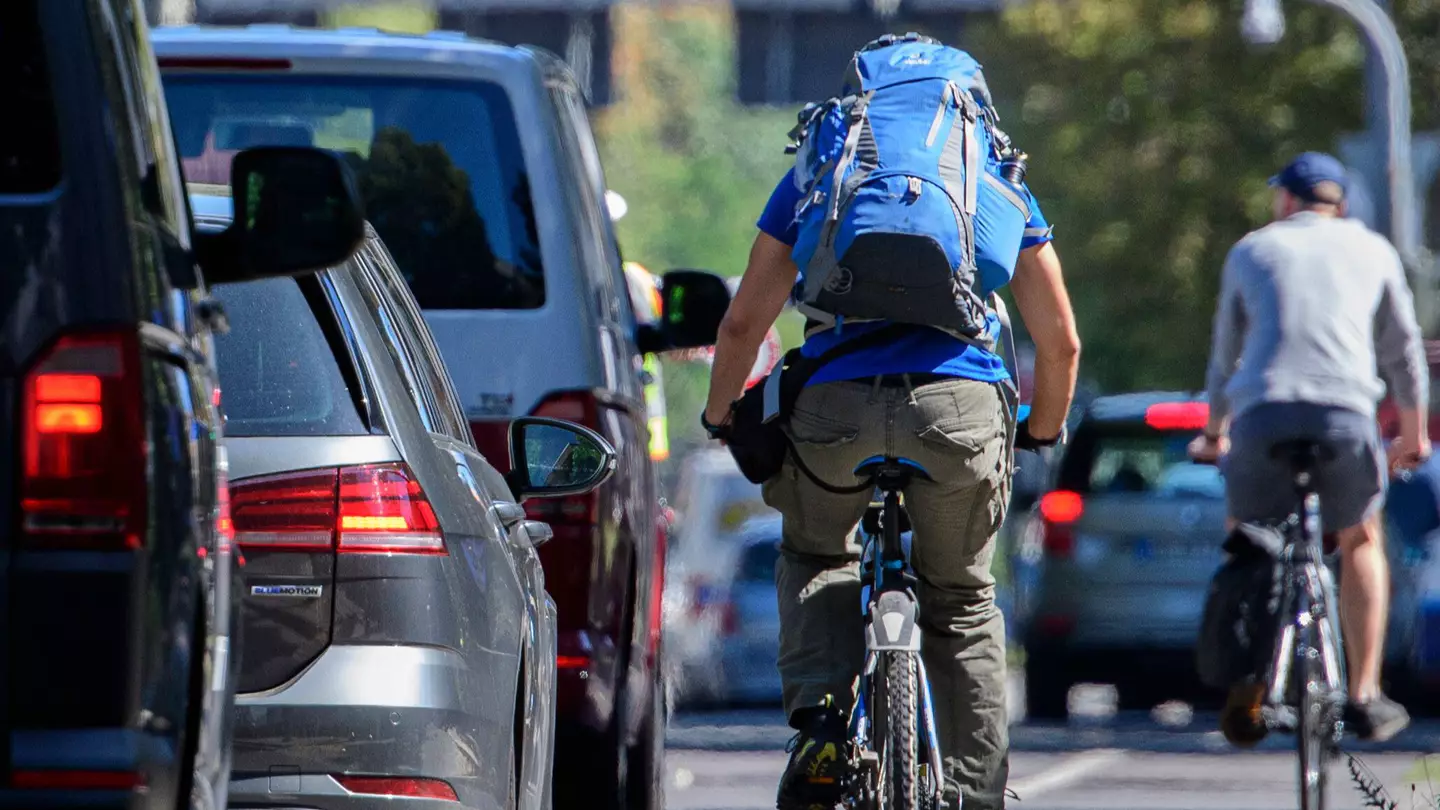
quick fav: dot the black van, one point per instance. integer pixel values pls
(116, 556)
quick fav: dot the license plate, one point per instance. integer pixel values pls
(1146, 550)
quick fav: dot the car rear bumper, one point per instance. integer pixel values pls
(322, 792)
(404, 711)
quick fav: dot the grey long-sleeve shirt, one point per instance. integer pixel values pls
(1311, 307)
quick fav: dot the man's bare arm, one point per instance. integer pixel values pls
(766, 285)
(1226, 341)
(1044, 304)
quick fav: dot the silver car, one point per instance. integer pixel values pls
(1113, 563)
(713, 505)
(398, 646)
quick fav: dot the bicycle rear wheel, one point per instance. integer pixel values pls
(897, 733)
(1312, 732)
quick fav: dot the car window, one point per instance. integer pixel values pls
(30, 139)
(588, 197)
(420, 346)
(1149, 462)
(278, 373)
(395, 343)
(425, 356)
(438, 163)
(757, 564)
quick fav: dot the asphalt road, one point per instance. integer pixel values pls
(1169, 759)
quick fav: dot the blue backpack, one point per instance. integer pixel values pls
(904, 206)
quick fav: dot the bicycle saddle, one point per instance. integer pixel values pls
(890, 473)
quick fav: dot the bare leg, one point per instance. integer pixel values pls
(1364, 603)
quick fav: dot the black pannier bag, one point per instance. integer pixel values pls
(1241, 621)
(759, 447)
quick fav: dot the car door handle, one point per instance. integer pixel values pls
(539, 532)
(508, 513)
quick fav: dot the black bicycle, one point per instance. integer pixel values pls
(1305, 681)
(893, 743)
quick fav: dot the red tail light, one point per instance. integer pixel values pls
(379, 508)
(1178, 415)
(572, 661)
(1059, 510)
(83, 445)
(383, 509)
(389, 786)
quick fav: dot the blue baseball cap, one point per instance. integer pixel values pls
(1309, 170)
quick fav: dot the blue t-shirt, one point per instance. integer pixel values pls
(920, 350)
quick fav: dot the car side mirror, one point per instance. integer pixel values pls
(296, 210)
(550, 458)
(692, 304)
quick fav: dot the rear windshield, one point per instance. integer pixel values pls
(758, 562)
(1137, 460)
(439, 167)
(30, 139)
(278, 375)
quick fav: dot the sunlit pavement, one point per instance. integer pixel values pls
(1168, 759)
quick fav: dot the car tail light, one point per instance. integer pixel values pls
(383, 509)
(83, 445)
(391, 786)
(1059, 510)
(290, 512)
(379, 508)
(1178, 415)
(572, 661)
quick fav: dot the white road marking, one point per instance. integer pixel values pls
(1072, 769)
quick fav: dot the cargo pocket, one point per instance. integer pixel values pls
(809, 428)
(961, 418)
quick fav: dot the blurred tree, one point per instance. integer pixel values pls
(1152, 129)
(694, 166)
(1419, 23)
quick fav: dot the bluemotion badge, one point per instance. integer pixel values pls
(297, 591)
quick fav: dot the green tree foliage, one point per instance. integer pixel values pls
(694, 166)
(1152, 128)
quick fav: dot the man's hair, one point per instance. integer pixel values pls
(1322, 194)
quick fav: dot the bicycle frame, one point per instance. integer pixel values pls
(1306, 691)
(1308, 624)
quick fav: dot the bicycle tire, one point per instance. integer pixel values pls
(898, 732)
(1311, 731)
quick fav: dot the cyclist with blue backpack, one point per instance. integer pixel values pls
(906, 210)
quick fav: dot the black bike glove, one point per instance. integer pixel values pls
(1025, 441)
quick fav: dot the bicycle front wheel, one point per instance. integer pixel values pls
(902, 785)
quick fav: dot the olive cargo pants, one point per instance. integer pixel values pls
(960, 431)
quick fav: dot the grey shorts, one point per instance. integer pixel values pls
(1351, 482)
